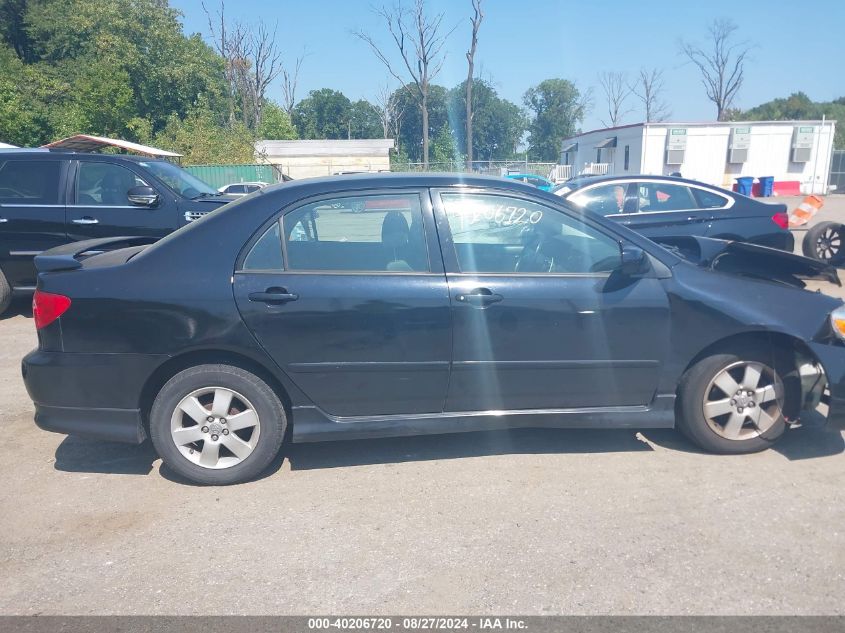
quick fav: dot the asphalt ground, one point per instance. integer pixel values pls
(528, 522)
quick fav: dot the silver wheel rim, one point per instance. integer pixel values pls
(215, 427)
(828, 243)
(744, 400)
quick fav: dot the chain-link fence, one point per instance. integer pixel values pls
(486, 167)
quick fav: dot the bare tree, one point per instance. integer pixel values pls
(419, 39)
(230, 42)
(290, 80)
(251, 63)
(721, 65)
(389, 111)
(648, 88)
(616, 92)
(475, 20)
(265, 64)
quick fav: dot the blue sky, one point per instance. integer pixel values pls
(796, 46)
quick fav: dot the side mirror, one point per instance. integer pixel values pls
(633, 260)
(142, 196)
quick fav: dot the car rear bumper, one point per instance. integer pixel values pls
(111, 425)
(91, 395)
(783, 240)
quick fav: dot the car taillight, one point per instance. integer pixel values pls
(47, 307)
(781, 219)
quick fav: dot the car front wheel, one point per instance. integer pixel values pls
(217, 424)
(734, 402)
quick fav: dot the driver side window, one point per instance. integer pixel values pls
(104, 184)
(500, 234)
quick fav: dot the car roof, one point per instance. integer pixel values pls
(51, 153)
(579, 182)
(396, 180)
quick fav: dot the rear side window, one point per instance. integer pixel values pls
(266, 253)
(378, 233)
(604, 199)
(30, 181)
(661, 196)
(709, 199)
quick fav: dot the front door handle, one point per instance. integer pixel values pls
(479, 297)
(273, 295)
(3, 220)
(86, 220)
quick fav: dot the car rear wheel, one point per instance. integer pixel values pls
(735, 402)
(217, 424)
(825, 242)
(5, 293)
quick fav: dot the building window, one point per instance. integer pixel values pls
(598, 155)
(627, 156)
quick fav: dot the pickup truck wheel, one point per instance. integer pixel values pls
(734, 402)
(825, 242)
(5, 293)
(217, 424)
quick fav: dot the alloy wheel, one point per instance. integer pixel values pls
(744, 400)
(215, 427)
(828, 244)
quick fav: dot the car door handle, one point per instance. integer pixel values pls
(3, 220)
(86, 220)
(479, 297)
(273, 296)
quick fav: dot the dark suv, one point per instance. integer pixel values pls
(48, 198)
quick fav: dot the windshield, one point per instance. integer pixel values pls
(179, 180)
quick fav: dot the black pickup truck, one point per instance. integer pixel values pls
(49, 198)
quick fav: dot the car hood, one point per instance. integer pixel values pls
(749, 260)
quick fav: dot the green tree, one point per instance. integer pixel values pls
(121, 67)
(275, 123)
(410, 128)
(558, 108)
(323, 113)
(202, 138)
(498, 125)
(364, 121)
(796, 107)
(444, 149)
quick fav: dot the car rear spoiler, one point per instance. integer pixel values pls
(69, 256)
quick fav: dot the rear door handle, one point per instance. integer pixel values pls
(86, 220)
(3, 220)
(273, 296)
(479, 297)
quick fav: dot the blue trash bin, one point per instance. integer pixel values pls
(767, 186)
(744, 185)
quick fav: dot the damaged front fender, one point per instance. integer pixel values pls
(750, 260)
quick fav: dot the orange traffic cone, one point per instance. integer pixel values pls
(806, 210)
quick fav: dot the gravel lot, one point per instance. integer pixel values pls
(528, 522)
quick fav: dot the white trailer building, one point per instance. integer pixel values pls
(797, 154)
(310, 158)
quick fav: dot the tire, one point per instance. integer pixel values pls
(221, 450)
(5, 293)
(825, 242)
(735, 430)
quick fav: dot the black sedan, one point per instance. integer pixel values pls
(657, 206)
(450, 303)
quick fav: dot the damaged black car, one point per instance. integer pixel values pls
(387, 305)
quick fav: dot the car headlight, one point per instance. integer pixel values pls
(837, 322)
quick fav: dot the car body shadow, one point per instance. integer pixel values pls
(20, 306)
(811, 441)
(80, 455)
